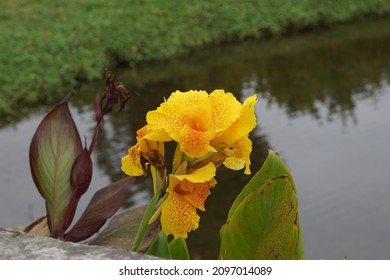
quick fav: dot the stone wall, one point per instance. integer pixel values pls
(16, 245)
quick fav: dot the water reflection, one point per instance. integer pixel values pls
(318, 77)
(299, 73)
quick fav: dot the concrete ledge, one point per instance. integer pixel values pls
(16, 245)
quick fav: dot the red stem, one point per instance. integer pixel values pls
(72, 205)
(94, 137)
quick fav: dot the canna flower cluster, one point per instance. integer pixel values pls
(210, 130)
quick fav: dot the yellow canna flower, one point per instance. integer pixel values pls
(131, 163)
(238, 155)
(210, 129)
(186, 118)
(186, 194)
(235, 137)
(145, 152)
(203, 123)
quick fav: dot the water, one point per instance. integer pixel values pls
(324, 99)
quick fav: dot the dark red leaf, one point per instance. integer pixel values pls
(120, 232)
(54, 148)
(81, 174)
(122, 229)
(80, 178)
(102, 206)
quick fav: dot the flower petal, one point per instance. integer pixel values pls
(225, 109)
(191, 98)
(195, 143)
(200, 175)
(185, 117)
(131, 164)
(197, 192)
(158, 135)
(169, 117)
(241, 127)
(239, 159)
(197, 108)
(178, 217)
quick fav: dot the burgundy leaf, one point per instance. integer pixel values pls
(81, 174)
(102, 206)
(69, 214)
(80, 178)
(122, 229)
(54, 148)
(120, 232)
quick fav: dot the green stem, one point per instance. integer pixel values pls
(144, 225)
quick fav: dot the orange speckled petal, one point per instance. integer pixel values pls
(225, 109)
(199, 193)
(192, 98)
(241, 127)
(169, 117)
(178, 217)
(186, 118)
(195, 143)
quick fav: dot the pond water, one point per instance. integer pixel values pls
(324, 99)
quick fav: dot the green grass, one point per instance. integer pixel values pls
(48, 46)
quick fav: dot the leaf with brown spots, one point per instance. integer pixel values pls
(263, 222)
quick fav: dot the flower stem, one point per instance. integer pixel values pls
(144, 224)
(143, 227)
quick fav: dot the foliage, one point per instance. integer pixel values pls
(263, 222)
(62, 172)
(58, 44)
(209, 130)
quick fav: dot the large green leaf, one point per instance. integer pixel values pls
(263, 221)
(53, 150)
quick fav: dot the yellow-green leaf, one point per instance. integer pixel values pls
(263, 222)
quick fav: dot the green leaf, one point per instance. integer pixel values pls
(178, 249)
(160, 247)
(272, 167)
(102, 206)
(175, 249)
(263, 221)
(53, 151)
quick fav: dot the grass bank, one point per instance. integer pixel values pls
(47, 46)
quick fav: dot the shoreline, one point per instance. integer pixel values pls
(56, 58)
